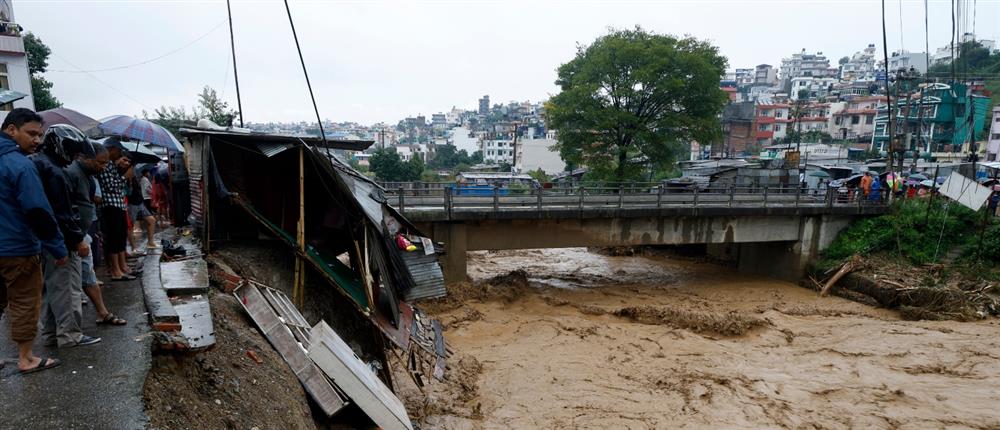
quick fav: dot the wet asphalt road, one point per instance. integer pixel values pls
(97, 387)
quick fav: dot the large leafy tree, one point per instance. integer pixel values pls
(210, 106)
(632, 99)
(38, 62)
(388, 166)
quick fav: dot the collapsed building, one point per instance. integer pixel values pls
(293, 216)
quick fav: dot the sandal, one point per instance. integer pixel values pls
(43, 364)
(124, 278)
(112, 319)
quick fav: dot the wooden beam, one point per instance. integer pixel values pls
(298, 289)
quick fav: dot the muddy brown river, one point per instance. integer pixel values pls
(592, 341)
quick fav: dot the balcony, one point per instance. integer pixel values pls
(10, 38)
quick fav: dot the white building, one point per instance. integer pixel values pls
(805, 64)
(943, 54)
(993, 145)
(13, 61)
(814, 87)
(766, 75)
(498, 144)
(534, 154)
(860, 67)
(744, 77)
(904, 59)
(462, 138)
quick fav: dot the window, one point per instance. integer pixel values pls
(777, 127)
(762, 127)
(5, 84)
(997, 119)
(996, 136)
(839, 120)
(855, 119)
(779, 114)
(869, 119)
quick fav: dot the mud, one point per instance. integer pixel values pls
(581, 340)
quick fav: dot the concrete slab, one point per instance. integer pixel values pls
(184, 277)
(161, 311)
(196, 321)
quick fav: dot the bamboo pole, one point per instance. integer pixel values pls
(298, 289)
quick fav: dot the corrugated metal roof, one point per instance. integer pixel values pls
(271, 149)
(428, 281)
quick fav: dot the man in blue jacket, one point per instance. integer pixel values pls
(27, 225)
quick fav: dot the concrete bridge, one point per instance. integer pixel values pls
(768, 231)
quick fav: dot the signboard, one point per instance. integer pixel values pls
(965, 191)
(791, 159)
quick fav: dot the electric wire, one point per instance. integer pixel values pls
(94, 77)
(144, 62)
(305, 72)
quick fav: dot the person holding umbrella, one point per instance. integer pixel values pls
(62, 316)
(114, 226)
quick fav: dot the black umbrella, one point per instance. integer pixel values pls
(67, 116)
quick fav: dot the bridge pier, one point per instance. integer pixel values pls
(455, 238)
(788, 260)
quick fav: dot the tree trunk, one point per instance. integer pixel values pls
(622, 157)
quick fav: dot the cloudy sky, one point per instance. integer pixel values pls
(382, 60)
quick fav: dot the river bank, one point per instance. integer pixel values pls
(585, 340)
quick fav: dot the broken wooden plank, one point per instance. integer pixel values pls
(281, 337)
(352, 375)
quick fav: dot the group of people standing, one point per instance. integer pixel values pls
(61, 195)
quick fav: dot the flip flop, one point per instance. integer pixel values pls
(112, 319)
(43, 364)
(124, 278)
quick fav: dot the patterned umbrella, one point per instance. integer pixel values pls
(141, 130)
(68, 116)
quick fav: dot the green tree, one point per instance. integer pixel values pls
(631, 99)
(214, 108)
(38, 62)
(539, 175)
(386, 165)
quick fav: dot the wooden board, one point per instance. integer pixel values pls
(281, 337)
(358, 381)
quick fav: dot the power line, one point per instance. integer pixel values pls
(144, 62)
(901, 44)
(302, 60)
(103, 82)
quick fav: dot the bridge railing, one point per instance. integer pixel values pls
(582, 198)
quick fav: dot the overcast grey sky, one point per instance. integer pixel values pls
(383, 60)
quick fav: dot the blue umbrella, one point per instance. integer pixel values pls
(141, 130)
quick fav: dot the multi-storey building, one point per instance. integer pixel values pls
(856, 120)
(904, 60)
(938, 120)
(860, 67)
(993, 145)
(771, 123)
(13, 61)
(744, 77)
(497, 143)
(765, 75)
(484, 105)
(803, 64)
(811, 87)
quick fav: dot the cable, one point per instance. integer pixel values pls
(236, 75)
(104, 83)
(902, 46)
(888, 96)
(302, 60)
(141, 63)
(953, 40)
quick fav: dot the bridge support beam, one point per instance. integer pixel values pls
(455, 261)
(788, 260)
